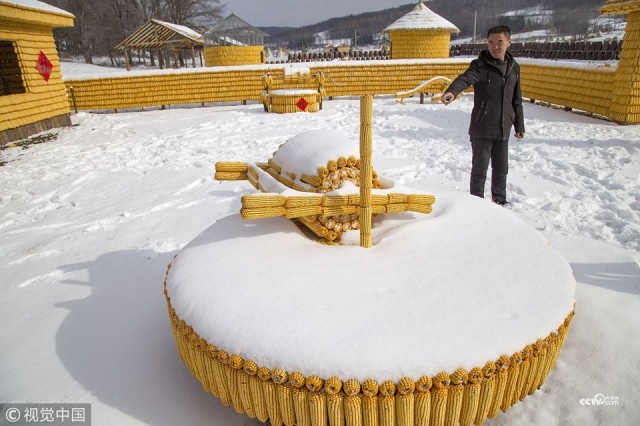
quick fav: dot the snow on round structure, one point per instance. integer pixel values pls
(421, 33)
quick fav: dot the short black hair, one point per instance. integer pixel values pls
(500, 29)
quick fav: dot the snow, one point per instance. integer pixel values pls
(533, 15)
(79, 71)
(88, 223)
(305, 152)
(37, 5)
(292, 92)
(181, 29)
(421, 17)
(419, 302)
(296, 70)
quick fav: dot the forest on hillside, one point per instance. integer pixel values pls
(101, 24)
(566, 17)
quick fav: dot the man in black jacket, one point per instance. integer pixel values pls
(497, 106)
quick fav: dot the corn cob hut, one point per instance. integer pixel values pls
(234, 41)
(33, 94)
(625, 100)
(420, 34)
(163, 37)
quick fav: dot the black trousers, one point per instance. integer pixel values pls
(496, 152)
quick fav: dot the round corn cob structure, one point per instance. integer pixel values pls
(266, 372)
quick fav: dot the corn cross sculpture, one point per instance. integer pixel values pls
(328, 215)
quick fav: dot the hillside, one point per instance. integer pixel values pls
(564, 17)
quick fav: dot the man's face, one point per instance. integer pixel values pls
(498, 45)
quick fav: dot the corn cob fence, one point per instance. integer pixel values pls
(612, 88)
(605, 50)
(560, 84)
(577, 50)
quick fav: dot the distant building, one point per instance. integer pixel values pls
(343, 48)
(33, 97)
(421, 33)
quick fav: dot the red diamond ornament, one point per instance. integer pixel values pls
(44, 66)
(302, 104)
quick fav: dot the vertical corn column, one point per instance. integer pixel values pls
(625, 104)
(420, 43)
(370, 403)
(366, 173)
(423, 401)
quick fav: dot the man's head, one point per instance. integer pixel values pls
(499, 40)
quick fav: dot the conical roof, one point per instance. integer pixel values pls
(422, 18)
(234, 24)
(234, 31)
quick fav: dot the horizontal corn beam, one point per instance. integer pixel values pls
(261, 206)
(231, 170)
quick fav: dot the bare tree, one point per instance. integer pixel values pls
(193, 13)
(101, 24)
(82, 38)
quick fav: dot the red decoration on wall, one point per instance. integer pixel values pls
(302, 104)
(44, 66)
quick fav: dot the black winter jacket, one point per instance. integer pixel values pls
(497, 100)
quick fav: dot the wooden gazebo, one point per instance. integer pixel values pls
(233, 30)
(233, 41)
(161, 36)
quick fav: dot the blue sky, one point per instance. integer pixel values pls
(296, 13)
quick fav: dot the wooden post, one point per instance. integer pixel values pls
(366, 169)
(73, 97)
(126, 58)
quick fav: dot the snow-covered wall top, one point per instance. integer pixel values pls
(36, 5)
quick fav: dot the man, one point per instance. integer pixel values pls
(497, 106)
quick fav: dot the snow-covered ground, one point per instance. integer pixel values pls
(89, 221)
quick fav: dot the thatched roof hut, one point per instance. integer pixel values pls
(420, 33)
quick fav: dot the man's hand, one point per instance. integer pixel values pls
(519, 135)
(447, 98)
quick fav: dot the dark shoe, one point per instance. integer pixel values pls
(500, 201)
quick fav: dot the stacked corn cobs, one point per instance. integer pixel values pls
(342, 215)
